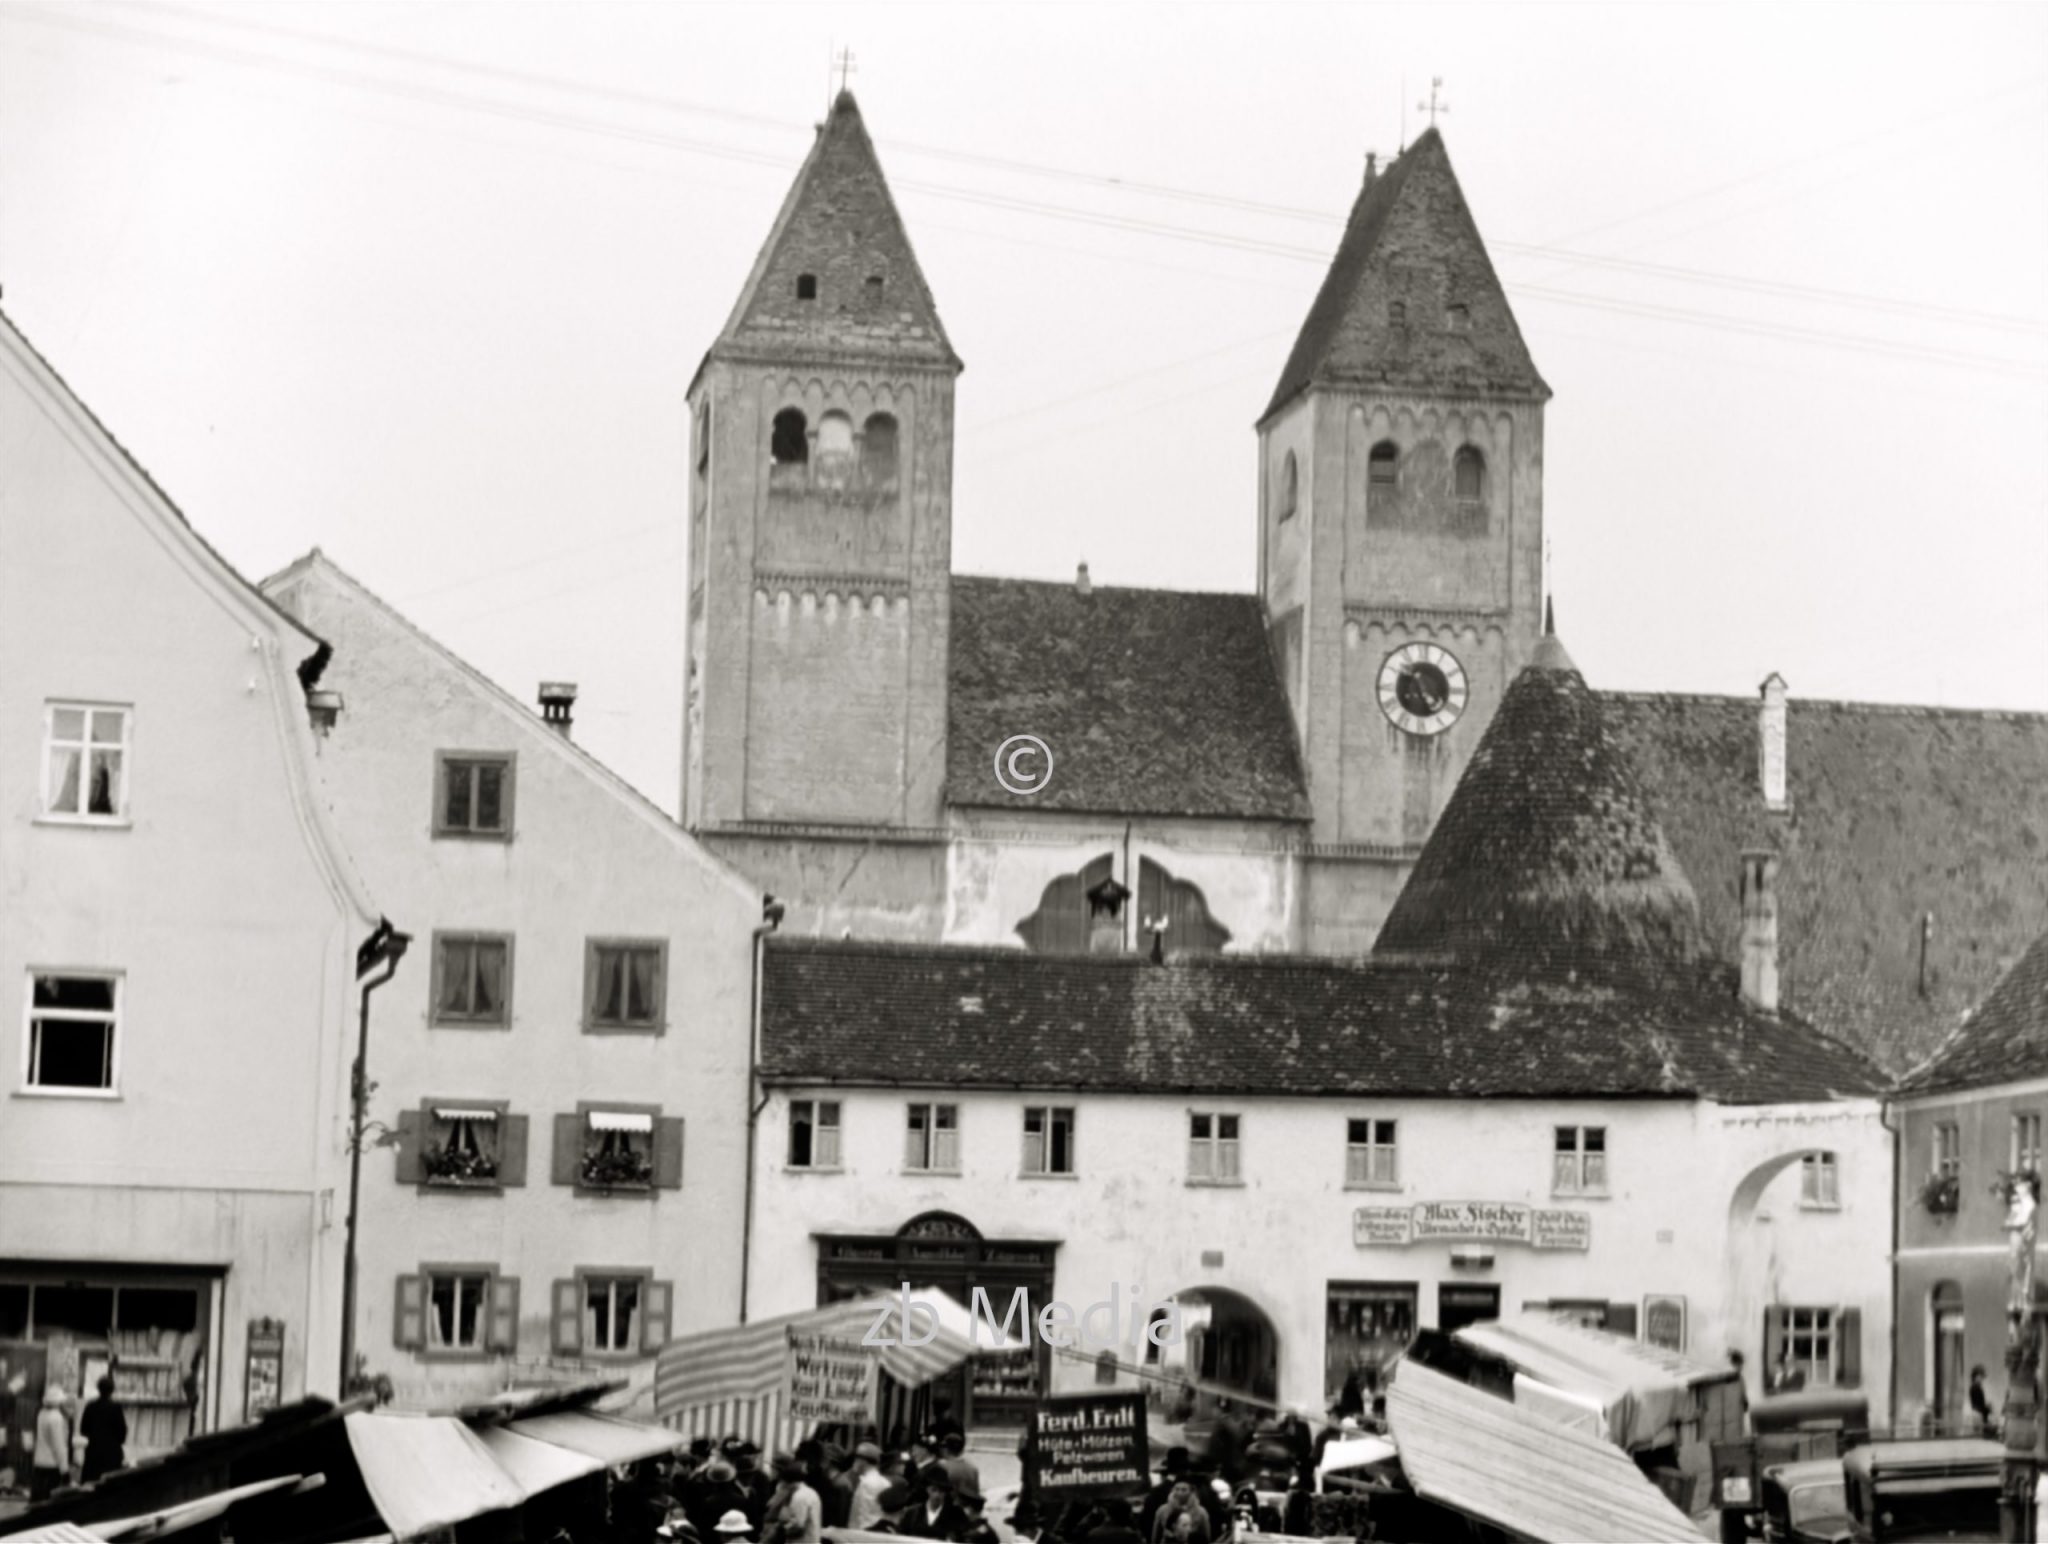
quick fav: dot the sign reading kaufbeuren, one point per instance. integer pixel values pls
(1486, 1222)
(1088, 1447)
(829, 1379)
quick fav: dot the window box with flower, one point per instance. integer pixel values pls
(617, 1150)
(1942, 1195)
(474, 1145)
(2009, 1181)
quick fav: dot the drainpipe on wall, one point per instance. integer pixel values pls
(771, 918)
(1886, 1110)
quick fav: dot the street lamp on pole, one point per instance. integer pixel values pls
(386, 947)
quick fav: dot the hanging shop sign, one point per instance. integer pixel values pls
(1088, 1446)
(263, 1371)
(828, 1378)
(1488, 1222)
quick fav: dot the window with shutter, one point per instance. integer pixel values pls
(568, 1154)
(407, 1148)
(566, 1317)
(409, 1317)
(504, 1313)
(512, 1150)
(1849, 1348)
(668, 1153)
(658, 1318)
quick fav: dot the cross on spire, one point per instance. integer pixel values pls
(845, 65)
(1433, 106)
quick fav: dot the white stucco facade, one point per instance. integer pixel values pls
(584, 860)
(177, 1170)
(1703, 1203)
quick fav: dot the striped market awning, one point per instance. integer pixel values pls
(730, 1380)
(621, 1120)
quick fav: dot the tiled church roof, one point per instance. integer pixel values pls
(881, 1015)
(1411, 240)
(1549, 847)
(1154, 702)
(839, 225)
(1894, 812)
(2004, 1041)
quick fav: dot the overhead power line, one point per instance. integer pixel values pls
(1567, 256)
(1957, 358)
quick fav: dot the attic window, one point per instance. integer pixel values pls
(1397, 313)
(1380, 466)
(1290, 486)
(1458, 318)
(806, 286)
(874, 288)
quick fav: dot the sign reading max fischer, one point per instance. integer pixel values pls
(1486, 1222)
(829, 1379)
(1088, 1447)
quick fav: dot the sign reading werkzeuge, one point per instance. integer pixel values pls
(829, 1379)
(1088, 1446)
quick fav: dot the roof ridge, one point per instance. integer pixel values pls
(1831, 704)
(314, 560)
(1099, 589)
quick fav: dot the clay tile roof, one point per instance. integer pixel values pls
(1549, 852)
(1411, 240)
(1155, 702)
(1894, 812)
(839, 225)
(2004, 1041)
(862, 1013)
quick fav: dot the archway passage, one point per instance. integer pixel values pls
(1227, 1346)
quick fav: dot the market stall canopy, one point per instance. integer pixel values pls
(1644, 1391)
(54, 1533)
(1352, 1453)
(425, 1472)
(190, 1514)
(604, 1438)
(535, 1466)
(1480, 1455)
(731, 1379)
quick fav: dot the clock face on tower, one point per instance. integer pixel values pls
(1422, 688)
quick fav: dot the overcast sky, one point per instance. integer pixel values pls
(424, 285)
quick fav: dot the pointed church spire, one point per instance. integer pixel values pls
(1411, 299)
(837, 278)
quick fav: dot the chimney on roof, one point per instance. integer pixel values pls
(1771, 742)
(556, 699)
(1082, 584)
(1760, 930)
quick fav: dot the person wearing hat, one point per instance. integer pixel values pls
(711, 1492)
(796, 1513)
(745, 1457)
(978, 1530)
(53, 1446)
(896, 1499)
(1173, 1470)
(958, 1466)
(733, 1527)
(939, 1517)
(864, 1499)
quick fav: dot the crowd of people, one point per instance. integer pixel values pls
(725, 1494)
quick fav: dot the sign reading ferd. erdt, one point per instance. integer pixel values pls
(1087, 1447)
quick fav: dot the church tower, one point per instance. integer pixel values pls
(821, 522)
(1401, 529)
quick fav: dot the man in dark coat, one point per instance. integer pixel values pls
(105, 1430)
(938, 1516)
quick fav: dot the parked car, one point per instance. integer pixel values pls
(1806, 1503)
(1919, 1492)
(1785, 1429)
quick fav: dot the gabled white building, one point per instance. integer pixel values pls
(562, 1063)
(178, 928)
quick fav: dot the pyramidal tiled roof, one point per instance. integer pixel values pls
(1411, 241)
(839, 228)
(2004, 1041)
(1549, 853)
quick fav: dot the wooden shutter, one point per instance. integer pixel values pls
(1849, 1348)
(511, 1149)
(668, 1153)
(408, 1148)
(567, 1317)
(568, 1149)
(1621, 1319)
(409, 1317)
(657, 1313)
(504, 1334)
(1774, 1344)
